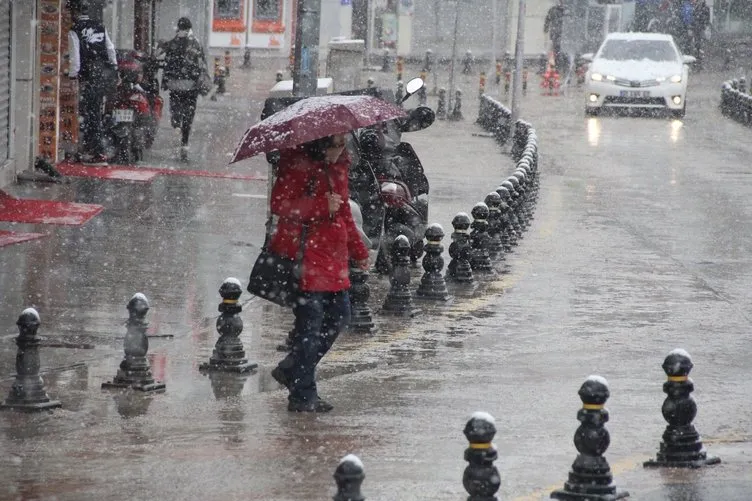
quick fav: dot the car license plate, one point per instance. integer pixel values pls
(123, 116)
(634, 93)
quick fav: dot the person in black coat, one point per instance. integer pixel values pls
(184, 63)
(94, 63)
(554, 27)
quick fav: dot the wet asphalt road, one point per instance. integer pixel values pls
(640, 245)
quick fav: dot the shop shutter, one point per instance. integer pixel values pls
(5, 37)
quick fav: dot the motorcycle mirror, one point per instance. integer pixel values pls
(412, 86)
(418, 119)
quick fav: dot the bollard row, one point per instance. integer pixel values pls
(590, 477)
(736, 102)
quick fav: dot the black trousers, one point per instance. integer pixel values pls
(183, 110)
(90, 104)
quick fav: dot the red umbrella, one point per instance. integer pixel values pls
(314, 118)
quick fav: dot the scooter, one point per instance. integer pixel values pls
(388, 186)
(132, 115)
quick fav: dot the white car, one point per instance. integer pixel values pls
(637, 70)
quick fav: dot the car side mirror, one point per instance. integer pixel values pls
(688, 59)
(411, 87)
(587, 57)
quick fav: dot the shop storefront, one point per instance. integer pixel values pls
(258, 24)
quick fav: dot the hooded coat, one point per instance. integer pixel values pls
(299, 197)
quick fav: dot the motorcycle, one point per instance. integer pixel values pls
(132, 114)
(388, 186)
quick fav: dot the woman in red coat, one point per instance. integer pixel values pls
(311, 190)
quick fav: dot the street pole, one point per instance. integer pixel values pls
(519, 52)
(450, 97)
(306, 68)
(494, 30)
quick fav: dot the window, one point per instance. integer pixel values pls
(227, 9)
(266, 10)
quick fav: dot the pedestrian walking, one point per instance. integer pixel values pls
(93, 63)
(701, 23)
(553, 26)
(310, 198)
(185, 62)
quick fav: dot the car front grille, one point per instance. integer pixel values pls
(635, 83)
(636, 101)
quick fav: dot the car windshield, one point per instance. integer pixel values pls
(637, 50)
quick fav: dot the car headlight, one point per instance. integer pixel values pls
(596, 76)
(610, 78)
(676, 79)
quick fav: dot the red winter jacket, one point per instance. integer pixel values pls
(330, 242)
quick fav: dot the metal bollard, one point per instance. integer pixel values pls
(495, 247)
(508, 233)
(349, 476)
(481, 478)
(228, 354)
(371, 83)
(590, 476)
(247, 57)
(400, 93)
(386, 64)
(513, 216)
(27, 392)
(228, 63)
(134, 371)
(467, 62)
(399, 300)
(457, 111)
(459, 269)
(441, 112)
(432, 283)
(480, 259)
(681, 445)
(279, 77)
(360, 292)
(743, 85)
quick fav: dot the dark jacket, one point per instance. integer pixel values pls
(184, 61)
(553, 25)
(298, 197)
(91, 50)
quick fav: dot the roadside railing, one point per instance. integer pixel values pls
(736, 102)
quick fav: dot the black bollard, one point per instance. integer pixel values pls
(495, 246)
(459, 269)
(481, 478)
(134, 371)
(27, 392)
(480, 259)
(349, 476)
(441, 112)
(386, 64)
(432, 283)
(514, 217)
(360, 292)
(508, 233)
(681, 445)
(228, 354)
(399, 300)
(247, 58)
(400, 91)
(422, 96)
(457, 111)
(279, 77)
(590, 477)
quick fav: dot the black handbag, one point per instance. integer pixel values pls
(277, 278)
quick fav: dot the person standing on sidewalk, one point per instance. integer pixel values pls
(184, 63)
(310, 197)
(94, 63)
(553, 26)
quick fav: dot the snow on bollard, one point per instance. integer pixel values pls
(441, 111)
(681, 445)
(27, 392)
(457, 110)
(480, 259)
(459, 271)
(495, 247)
(228, 354)
(134, 371)
(590, 476)
(481, 478)
(349, 476)
(508, 233)
(432, 284)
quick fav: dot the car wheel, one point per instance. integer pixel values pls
(591, 111)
